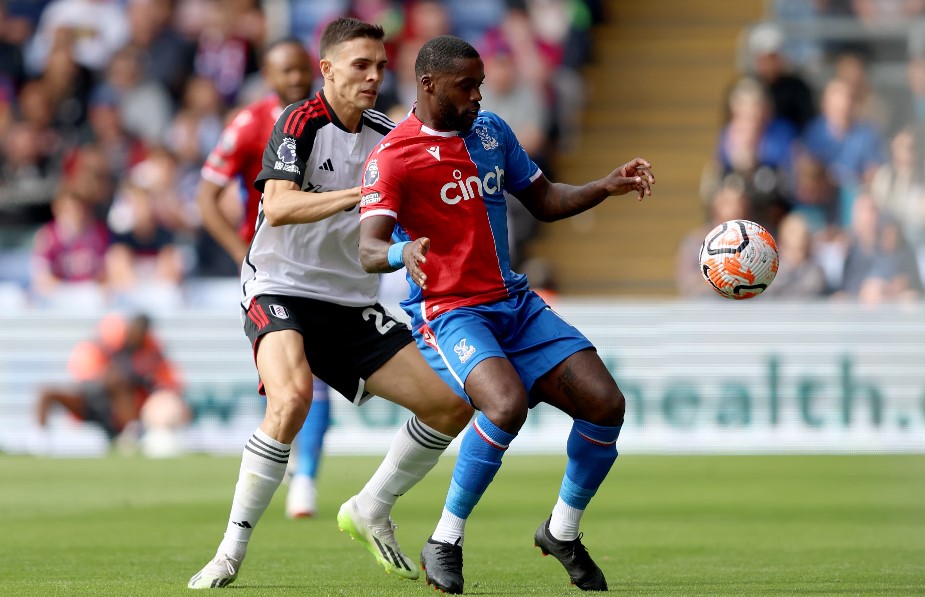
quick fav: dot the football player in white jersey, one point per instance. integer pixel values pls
(310, 308)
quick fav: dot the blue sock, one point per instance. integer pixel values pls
(310, 439)
(591, 450)
(479, 459)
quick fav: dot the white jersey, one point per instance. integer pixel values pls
(310, 147)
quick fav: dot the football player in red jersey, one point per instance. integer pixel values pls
(288, 72)
(437, 183)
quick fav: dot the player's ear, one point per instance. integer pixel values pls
(427, 82)
(326, 68)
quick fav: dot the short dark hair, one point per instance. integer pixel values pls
(345, 29)
(440, 54)
(283, 41)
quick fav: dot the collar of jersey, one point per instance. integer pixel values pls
(426, 129)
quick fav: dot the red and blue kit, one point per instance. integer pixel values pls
(454, 195)
(240, 152)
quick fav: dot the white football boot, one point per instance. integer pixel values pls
(378, 538)
(217, 574)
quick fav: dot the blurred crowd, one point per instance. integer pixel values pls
(822, 143)
(108, 109)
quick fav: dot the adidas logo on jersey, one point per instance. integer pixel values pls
(434, 151)
(327, 165)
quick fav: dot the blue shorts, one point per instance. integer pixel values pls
(523, 329)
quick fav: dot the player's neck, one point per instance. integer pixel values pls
(348, 114)
(429, 121)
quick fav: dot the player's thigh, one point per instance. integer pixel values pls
(462, 347)
(275, 326)
(283, 367)
(407, 380)
(582, 387)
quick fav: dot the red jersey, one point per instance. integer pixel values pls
(451, 189)
(240, 152)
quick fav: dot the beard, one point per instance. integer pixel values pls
(448, 118)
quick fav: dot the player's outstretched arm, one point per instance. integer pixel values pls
(375, 242)
(284, 203)
(550, 201)
(214, 221)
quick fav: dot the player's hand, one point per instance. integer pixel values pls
(635, 175)
(413, 255)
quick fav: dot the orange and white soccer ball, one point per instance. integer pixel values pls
(739, 259)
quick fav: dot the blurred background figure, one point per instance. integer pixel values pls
(730, 202)
(880, 266)
(756, 147)
(850, 148)
(799, 276)
(68, 262)
(143, 264)
(115, 374)
(898, 187)
(791, 96)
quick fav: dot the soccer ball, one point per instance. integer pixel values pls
(739, 259)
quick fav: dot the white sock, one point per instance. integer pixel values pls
(450, 529)
(414, 451)
(564, 522)
(263, 466)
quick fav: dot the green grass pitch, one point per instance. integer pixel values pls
(736, 525)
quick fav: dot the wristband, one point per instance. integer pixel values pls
(395, 255)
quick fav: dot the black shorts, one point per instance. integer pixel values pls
(96, 406)
(344, 345)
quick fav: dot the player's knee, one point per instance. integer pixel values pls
(457, 416)
(291, 403)
(609, 408)
(509, 416)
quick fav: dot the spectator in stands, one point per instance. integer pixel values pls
(116, 373)
(898, 186)
(197, 126)
(730, 202)
(121, 149)
(165, 56)
(37, 111)
(850, 148)
(90, 174)
(879, 264)
(95, 28)
(758, 148)
(814, 193)
(69, 252)
(911, 106)
(68, 85)
(143, 258)
(12, 68)
(872, 106)
(226, 50)
(799, 275)
(790, 94)
(145, 106)
(29, 175)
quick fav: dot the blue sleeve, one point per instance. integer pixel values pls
(519, 169)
